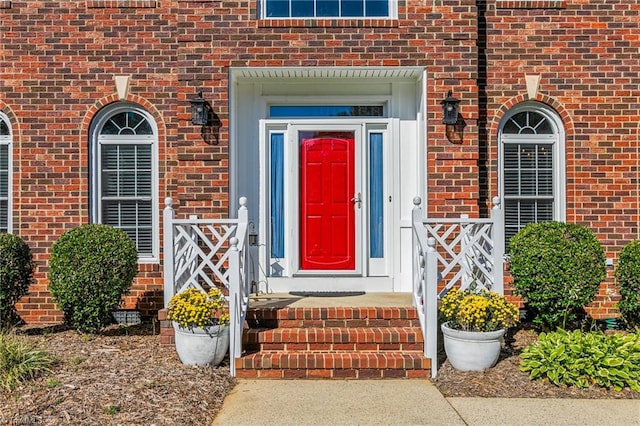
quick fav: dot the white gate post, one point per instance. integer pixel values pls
(237, 288)
(497, 216)
(431, 304)
(168, 215)
(235, 333)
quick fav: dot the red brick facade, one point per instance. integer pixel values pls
(59, 60)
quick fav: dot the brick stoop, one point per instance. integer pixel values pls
(333, 343)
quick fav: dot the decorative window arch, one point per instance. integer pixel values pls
(6, 166)
(124, 175)
(532, 165)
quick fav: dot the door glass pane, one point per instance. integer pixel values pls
(376, 196)
(277, 195)
(320, 111)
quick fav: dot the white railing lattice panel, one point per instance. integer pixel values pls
(448, 252)
(208, 253)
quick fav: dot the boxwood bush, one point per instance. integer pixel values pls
(557, 268)
(16, 275)
(91, 268)
(582, 359)
(628, 282)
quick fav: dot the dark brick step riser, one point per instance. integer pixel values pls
(334, 360)
(335, 335)
(338, 374)
(329, 323)
(332, 347)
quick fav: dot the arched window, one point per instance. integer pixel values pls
(531, 166)
(124, 175)
(6, 142)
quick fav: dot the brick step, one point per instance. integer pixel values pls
(332, 317)
(333, 365)
(334, 339)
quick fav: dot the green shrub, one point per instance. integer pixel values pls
(16, 275)
(582, 359)
(628, 281)
(557, 268)
(21, 360)
(91, 268)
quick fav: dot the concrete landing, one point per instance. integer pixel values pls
(281, 300)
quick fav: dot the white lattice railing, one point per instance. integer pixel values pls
(209, 252)
(448, 252)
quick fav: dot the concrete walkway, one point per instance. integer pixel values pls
(404, 402)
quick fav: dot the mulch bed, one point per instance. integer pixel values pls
(505, 380)
(122, 377)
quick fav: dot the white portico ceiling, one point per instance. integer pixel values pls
(385, 73)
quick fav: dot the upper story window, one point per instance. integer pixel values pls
(124, 176)
(5, 173)
(328, 8)
(532, 167)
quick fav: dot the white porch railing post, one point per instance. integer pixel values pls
(235, 333)
(497, 215)
(416, 222)
(238, 285)
(168, 215)
(431, 305)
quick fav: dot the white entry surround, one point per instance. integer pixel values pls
(397, 95)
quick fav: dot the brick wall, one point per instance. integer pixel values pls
(59, 58)
(587, 56)
(57, 69)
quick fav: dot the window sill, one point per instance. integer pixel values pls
(531, 4)
(327, 23)
(102, 4)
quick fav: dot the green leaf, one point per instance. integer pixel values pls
(613, 362)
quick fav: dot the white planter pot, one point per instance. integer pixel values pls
(202, 346)
(471, 350)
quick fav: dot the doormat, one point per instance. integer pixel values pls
(326, 293)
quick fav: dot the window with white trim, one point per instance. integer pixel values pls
(5, 173)
(328, 9)
(124, 176)
(532, 168)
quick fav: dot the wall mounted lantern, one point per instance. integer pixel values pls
(452, 118)
(450, 109)
(201, 111)
(202, 115)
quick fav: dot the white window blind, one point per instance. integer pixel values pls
(5, 167)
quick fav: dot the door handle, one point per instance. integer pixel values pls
(357, 200)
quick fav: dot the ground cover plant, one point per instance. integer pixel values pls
(21, 361)
(90, 269)
(628, 281)
(16, 275)
(581, 359)
(557, 268)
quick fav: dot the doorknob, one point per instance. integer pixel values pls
(356, 200)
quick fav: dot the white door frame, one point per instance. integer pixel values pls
(362, 128)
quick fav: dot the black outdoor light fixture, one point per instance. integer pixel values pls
(201, 111)
(202, 115)
(450, 109)
(452, 119)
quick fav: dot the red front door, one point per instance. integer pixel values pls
(327, 212)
